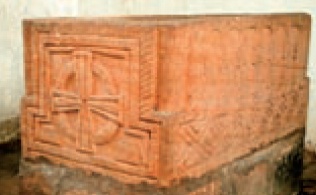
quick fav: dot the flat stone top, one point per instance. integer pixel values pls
(167, 19)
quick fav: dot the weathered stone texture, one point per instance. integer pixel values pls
(160, 99)
(273, 170)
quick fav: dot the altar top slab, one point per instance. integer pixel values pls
(169, 19)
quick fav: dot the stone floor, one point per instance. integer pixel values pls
(10, 155)
(309, 174)
(9, 167)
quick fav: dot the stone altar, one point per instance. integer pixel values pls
(162, 100)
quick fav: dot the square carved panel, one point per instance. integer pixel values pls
(82, 103)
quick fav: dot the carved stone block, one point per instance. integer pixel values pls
(159, 99)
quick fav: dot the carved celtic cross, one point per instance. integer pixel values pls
(83, 101)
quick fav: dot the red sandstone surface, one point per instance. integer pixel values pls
(158, 99)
